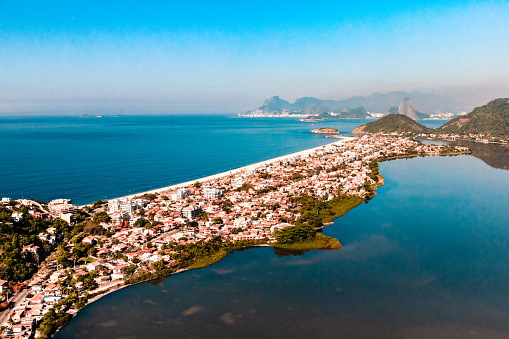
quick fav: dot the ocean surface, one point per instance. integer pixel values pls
(86, 159)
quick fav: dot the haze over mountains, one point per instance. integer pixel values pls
(376, 102)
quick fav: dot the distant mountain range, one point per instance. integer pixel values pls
(374, 103)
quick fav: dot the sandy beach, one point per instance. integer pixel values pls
(234, 171)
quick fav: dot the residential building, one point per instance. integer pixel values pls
(180, 194)
(210, 192)
(192, 211)
(59, 208)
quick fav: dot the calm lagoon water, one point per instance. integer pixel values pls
(428, 257)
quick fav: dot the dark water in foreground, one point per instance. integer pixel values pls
(428, 257)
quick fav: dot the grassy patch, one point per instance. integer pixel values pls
(315, 211)
(209, 260)
(340, 207)
(318, 242)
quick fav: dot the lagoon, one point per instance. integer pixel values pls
(427, 257)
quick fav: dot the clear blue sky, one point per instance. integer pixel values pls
(228, 56)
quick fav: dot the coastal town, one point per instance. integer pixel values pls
(483, 138)
(76, 254)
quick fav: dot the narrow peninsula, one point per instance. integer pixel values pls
(59, 257)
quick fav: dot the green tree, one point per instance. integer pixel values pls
(129, 269)
(292, 234)
(101, 217)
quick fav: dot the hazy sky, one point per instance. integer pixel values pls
(228, 56)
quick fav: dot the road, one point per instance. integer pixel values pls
(39, 205)
(16, 300)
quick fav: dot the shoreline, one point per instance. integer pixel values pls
(331, 242)
(231, 172)
(327, 243)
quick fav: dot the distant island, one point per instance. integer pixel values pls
(325, 130)
(373, 106)
(405, 108)
(488, 124)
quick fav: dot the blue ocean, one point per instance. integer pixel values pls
(90, 158)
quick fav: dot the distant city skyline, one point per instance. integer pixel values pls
(61, 57)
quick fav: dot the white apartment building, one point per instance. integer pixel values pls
(180, 194)
(192, 211)
(62, 208)
(212, 193)
(121, 205)
(132, 221)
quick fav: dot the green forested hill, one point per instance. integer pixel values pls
(420, 115)
(392, 123)
(491, 119)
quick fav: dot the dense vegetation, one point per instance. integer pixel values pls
(57, 317)
(52, 321)
(318, 242)
(15, 264)
(314, 212)
(420, 115)
(351, 113)
(290, 235)
(392, 123)
(491, 119)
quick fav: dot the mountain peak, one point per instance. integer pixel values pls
(406, 107)
(274, 104)
(376, 102)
